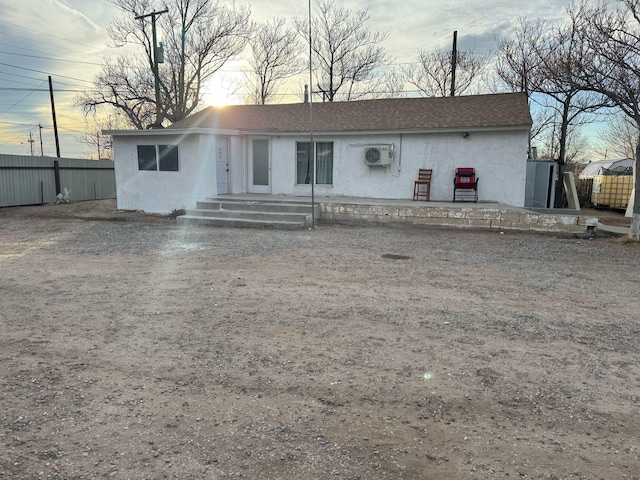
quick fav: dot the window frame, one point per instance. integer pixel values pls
(317, 144)
(166, 157)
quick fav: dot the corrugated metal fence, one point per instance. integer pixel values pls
(28, 180)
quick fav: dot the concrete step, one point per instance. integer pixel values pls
(238, 213)
(256, 206)
(252, 214)
(239, 222)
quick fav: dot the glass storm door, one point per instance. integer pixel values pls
(259, 167)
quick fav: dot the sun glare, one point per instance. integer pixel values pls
(217, 94)
(216, 98)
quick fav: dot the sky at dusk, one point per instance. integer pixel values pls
(67, 40)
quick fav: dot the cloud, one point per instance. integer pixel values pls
(76, 13)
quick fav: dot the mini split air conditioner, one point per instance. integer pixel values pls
(376, 155)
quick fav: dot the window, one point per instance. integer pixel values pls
(324, 163)
(163, 158)
(147, 157)
(168, 155)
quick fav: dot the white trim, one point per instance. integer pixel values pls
(271, 133)
(169, 131)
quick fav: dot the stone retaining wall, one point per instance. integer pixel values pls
(476, 217)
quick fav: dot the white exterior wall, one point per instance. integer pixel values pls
(498, 157)
(162, 192)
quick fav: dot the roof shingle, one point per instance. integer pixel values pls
(475, 111)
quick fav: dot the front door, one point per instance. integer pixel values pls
(259, 167)
(222, 165)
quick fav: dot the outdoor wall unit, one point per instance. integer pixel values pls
(378, 155)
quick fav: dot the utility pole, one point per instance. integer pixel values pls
(41, 147)
(53, 114)
(156, 61)
(56, 163)
(454, 59)
(312, 150)
(31, 140)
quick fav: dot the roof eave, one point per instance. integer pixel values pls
(217, 131)
(170, 131)
(404, 131)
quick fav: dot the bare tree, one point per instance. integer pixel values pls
(548, 143)
(200, 36)
(613, 35)
(392, 84)
(100, 144)
(125, 86)
(275, 56)
(345, 54)
(433, 72)
(518, 56)
(619, 137)
(543, 60)
(561, 59)
(563, 54)
(518, 66)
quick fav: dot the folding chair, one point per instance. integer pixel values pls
(465, 185)
(422, 186)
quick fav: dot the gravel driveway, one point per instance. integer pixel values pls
(133, 348)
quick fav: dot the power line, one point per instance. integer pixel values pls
(40, 32)
(26, 89)
(19, 124)
(5, 111)
(46, 73)
(20, 76)
(49, 58)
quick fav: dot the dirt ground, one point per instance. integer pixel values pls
(133, 348)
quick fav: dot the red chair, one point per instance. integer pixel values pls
(465, 185)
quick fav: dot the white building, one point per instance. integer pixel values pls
(622, 166)
(370, 149)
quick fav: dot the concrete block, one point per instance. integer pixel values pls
(529, 218)
(588, 221)
(424, 220)
(511, 217)
(438, 212)
(384, 210)
(459, 213)
(384, 218)
(485, 214)
(456, 222)
(550, 220)
(479, 222)
(411, 212)
(522, 226)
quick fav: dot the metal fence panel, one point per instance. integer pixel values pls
(28, 180)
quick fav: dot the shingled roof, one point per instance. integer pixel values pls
(405, 114)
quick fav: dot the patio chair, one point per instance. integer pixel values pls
(422, 186)
(465, 185)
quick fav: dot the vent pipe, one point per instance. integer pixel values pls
(306, 94)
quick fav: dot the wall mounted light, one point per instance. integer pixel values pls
(465, 135)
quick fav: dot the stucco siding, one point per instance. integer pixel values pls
(499, 159)
(162, 192)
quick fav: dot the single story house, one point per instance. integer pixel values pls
(369, 148)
